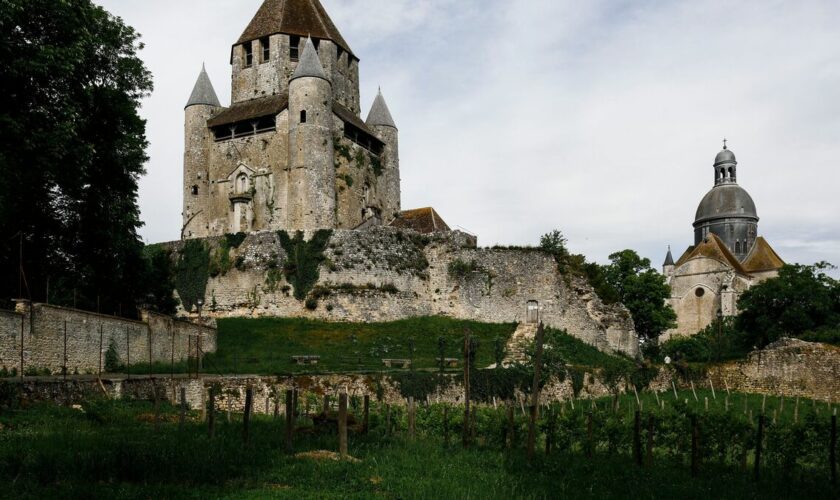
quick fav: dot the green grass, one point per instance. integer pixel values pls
(111, 450)
(265, 346)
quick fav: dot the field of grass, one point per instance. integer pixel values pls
(112, 450)
(265, 346)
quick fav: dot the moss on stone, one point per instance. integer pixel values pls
(303, 259)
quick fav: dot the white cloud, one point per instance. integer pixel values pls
(599, 118)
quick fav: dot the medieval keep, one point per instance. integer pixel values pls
(727, 257)
(291, 151)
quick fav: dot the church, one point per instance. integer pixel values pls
(291, 152)
(727, 257)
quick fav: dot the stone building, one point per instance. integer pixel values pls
(727, 256)
(291, 151)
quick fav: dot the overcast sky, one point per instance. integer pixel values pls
(599, 118)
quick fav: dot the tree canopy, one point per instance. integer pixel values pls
(72, 148)
(642, 290)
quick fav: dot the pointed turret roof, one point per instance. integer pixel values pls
(669, 259)
(293, 17)
(309, 63)
(379, 113)
(203, 92)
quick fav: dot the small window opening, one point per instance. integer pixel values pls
(737, 247)
(241, 183)
(195, 190)
(294, 48)
(699, 292)
(303, 116)
(265, 45)
(249, 54)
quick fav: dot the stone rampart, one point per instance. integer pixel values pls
(385, 274)
(55, 337)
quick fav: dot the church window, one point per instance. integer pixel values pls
(294, 48)
(265, 46)
(699, 292)
(195, 190)
(738, 246)
(303, 116)
(249, 54)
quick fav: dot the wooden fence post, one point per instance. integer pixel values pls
(211, 414)
(366, 416)
(246, 418)
(535, 394)
(342, 425)
(290, 421)
(637, 437)
(758, 440)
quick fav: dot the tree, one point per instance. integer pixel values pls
(642, 290)
(554, 243)
(801, 299)
(72, 148)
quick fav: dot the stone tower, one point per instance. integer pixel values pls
(727, 210)
(291, 152)
(311, 185)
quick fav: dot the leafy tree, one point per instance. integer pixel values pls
(72, 148)
(554, 243)
(642, 290)
(801, 299)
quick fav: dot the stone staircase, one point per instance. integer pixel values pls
(524, 334)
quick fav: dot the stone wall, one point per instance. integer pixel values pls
(386, 274)
(90, 335)
(790, 367)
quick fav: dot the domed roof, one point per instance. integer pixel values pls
(725, 156)
(726, 200)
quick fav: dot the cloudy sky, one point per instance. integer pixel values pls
(599, 118)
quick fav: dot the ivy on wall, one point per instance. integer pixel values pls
(192, 272)
(303, 258)
(220, 262)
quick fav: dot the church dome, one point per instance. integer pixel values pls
(726, 201)
(725, 156)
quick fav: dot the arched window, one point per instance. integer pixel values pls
(738, 246)
(303, 116)
(241, 183)
(195, 190)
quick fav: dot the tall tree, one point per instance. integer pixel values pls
(642, 290)
(72, 148)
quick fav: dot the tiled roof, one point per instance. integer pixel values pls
(422, 220)
(712, 247)
(247, 110)
(762, 257)
(293, 17)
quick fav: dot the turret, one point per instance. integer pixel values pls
(379, 120)
(668, 266)
(202, 104)
(311, 188)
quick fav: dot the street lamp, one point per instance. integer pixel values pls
(199, 303)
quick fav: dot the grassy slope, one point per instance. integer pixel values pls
(265, 345)
(112, 451)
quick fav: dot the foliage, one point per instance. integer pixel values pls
(643, 291)
(718, 341)
(459, 269)
(554, 244)
(112, 359)
(220, 262)
(159, 280)
(799, 300)
(376, 165)
(72, 148)
(192, 273)
(303, 259)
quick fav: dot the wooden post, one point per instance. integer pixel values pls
(446, 425)
(763, 403)
(726, 403)
(21, 340)
(706, 403)
(673, 386)
(211, 414)
(695, 444)
(183, 417)
(535, 393)
(411, 417)
(466, 429)
(759, 438)
(246, 418)
(712, 385)
(511, 438)
(342, 425)
(832, 450)
(656, 395)
(650, 441)
(295, 397)
(693, 391)
(637, 437)
(290, 420)
(781, 404)
(366, 417)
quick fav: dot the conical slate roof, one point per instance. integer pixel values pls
(309, 63)
(293, 17)
(379, 113)
(203, 92)
(669, 259)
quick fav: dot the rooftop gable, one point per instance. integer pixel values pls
(762, 257)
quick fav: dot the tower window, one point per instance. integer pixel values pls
(195, 190)
(294, 48)
(249, 54)
(699, 292)
(738, 246)
(265, 46)
(303, 116)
